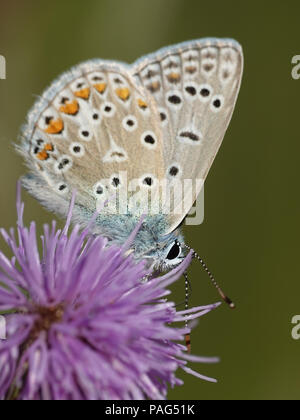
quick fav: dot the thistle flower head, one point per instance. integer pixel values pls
(81, 324)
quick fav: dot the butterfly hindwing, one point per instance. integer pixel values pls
(195, 87)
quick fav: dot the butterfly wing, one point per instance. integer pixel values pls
(93, 131)
(195, 87)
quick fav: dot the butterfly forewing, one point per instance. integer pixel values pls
(195, 87)
(95, 131)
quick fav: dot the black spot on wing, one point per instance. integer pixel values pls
(189, 135)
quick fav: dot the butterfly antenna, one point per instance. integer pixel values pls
(225, 298)
(187, 296)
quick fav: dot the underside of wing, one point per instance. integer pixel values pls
(195, 86)
(96, 132)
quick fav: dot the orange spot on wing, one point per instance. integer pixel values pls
(55, 127)
(154, 87)
(123, 93)
(43, 155)
(49, 147)
(142, 104)
(70, 108)
(101, 87)
(191, 69)
(83, 93)
(174, 77)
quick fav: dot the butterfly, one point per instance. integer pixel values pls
(107, 129)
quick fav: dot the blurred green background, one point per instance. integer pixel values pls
(250, 237)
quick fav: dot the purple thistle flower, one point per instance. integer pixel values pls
(82, 325)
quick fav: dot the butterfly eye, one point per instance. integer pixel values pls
(174, 252)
